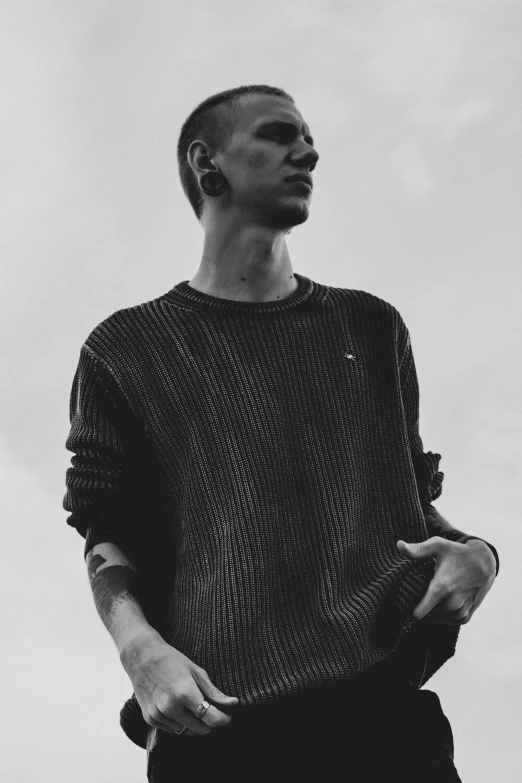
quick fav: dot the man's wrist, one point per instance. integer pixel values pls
(438, 526)
(462, 538)
(492, 549)
(136, 643)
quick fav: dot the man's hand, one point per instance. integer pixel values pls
(463, 576)
(169, 687)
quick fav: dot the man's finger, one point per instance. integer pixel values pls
(430, 548)
(211, 691)
(168, 725)
(459, 616)
(429, 602)
(213, 716)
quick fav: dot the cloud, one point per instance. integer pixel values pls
(425, 57)
(416, 49)
(412, 168)
(23, 496)
(447, 122)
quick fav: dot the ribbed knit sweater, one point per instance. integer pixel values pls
(261, 461)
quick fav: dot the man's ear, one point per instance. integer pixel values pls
(198, 158)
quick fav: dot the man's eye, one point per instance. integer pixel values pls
(281, 135)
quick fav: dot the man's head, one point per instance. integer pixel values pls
(255, 138)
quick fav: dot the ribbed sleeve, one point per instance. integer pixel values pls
(105, 483)
(425, 464)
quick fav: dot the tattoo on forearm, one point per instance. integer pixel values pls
(96, 562)
(112, 581)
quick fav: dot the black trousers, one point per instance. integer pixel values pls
(374, 728)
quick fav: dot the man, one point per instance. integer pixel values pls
(248, 473)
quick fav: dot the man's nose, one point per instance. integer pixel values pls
(306, 157)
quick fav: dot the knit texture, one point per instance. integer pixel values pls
(260, 461)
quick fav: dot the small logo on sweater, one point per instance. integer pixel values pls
(350, 356)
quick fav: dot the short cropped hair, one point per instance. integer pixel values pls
(213, 122)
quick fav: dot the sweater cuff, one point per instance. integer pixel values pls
(101, 535)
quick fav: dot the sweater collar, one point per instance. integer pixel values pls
(185, 296)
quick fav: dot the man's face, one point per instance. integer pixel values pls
(270, 143)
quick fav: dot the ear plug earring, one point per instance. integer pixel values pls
(213, 183)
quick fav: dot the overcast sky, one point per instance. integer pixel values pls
(415, 110)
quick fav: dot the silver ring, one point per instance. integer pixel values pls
(182, 730)
(202, 708)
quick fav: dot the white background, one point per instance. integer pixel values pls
(415, 108)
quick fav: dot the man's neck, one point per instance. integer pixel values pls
(248, 265)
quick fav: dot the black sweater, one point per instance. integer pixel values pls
(261, 460)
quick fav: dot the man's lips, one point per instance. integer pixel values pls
(303, 179)
(304, 185)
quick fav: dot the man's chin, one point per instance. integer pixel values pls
(288, 215)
